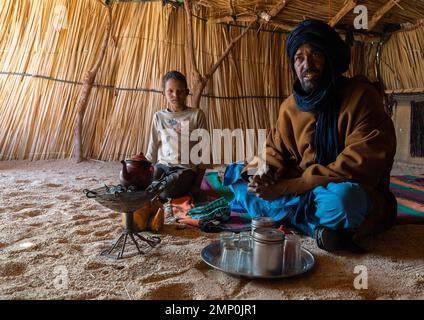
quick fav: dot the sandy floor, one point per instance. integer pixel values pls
(51, 237)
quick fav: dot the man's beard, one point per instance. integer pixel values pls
(312, 84)
(308, 86)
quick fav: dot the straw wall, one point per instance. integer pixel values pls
(403, 61)
(44, 54)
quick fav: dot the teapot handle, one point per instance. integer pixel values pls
(90, 193)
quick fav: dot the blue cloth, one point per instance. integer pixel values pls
(336, 206)
(326, 101)
(253, 205)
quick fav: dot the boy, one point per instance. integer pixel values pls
(169, 128)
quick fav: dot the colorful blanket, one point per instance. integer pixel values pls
(409, 192)
(215, 215)
(213, 188)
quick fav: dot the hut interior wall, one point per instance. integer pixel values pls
(402, 61)
(46, 46)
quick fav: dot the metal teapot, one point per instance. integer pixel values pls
(136, 171)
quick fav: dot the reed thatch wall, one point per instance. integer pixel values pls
(403, 62)
(43, 58)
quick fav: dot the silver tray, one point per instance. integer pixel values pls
(211, 256)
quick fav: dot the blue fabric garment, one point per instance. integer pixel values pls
(336, 206)
(253, 205)
(327, 102)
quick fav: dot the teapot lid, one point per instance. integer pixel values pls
(138, 157)
(268, 235)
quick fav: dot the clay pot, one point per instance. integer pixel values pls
(136, 171)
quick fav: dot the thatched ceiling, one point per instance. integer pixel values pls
(381, 13)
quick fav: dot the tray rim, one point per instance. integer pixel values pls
(305, 251)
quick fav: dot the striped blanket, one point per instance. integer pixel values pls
(409, 192)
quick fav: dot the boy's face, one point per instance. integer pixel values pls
(175, 93)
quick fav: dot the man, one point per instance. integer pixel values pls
(325, 169)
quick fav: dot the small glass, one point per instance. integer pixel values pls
(225, 237)
(246, 237)
(228, 245)
(244, 253)
(229, 255)
(292, 259)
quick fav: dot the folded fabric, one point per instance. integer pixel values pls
(209, 210)
(214, 214)
(182, 205)
(236, 222)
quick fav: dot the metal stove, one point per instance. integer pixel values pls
(120, 199)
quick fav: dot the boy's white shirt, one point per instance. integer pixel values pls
(167, 133)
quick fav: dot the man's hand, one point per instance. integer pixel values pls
(264, 183)
(268, 192)
(293, 186)
(266, 174)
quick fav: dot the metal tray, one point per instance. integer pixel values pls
(211, 256)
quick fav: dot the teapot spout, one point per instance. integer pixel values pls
(124, 171)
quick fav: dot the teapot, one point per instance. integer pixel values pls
(136, 171)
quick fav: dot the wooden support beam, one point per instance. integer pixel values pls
(224, 19)
(227, 51)
(411, 26)
(347, 6)
(281, 26)
(277, 8)
(87, 85)
(190, 39)
(380, 13)
(233, 11)
(264, 16)
(199, 80)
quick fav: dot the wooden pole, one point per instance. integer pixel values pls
(381, 12)
(277, 8)
(347, 6)
(88, 86)
(199, 80)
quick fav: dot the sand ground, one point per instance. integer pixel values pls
(51, 236)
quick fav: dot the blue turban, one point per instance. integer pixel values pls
(322, 36)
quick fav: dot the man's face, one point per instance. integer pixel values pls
(309, 64)
(175, 93)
